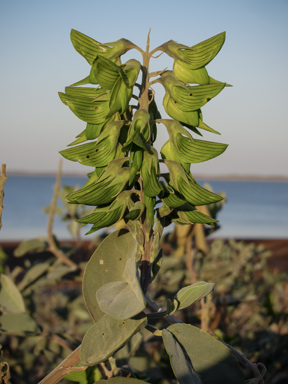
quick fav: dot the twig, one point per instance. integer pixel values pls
(106, 373)
(155, 331)
(52, 245)
(156, 57)
(67, 366)
(3, 178)
(157, 73)
(45, 334)
(204, 315)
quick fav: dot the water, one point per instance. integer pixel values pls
(253, 209)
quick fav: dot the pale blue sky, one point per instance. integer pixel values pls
(38, 60)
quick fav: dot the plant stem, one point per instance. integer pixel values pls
(204, 315)
(155, 331)
(3, 178)
(144, 100)
(67, 366)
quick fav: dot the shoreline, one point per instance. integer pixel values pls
(231, 177)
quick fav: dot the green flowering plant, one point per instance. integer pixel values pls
(131, 182)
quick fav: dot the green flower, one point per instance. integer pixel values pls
(187, 186)
(111, 214)
(103, 190)
(90, 48)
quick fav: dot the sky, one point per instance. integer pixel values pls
(38, 60)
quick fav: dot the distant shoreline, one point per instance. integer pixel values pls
(199, 177)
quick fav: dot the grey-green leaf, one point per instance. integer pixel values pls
(10, 298)
(33, 274)
(188, 295)
(180, 362)
(39, 244)
(211, 359)
(106, 265)
(107, 336)
(18, 324)
(122, 299)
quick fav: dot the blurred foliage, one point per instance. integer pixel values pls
(247, 309)
(70, 212)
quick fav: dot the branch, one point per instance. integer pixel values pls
(155, 50)
(67, 366)
(253, 368)
(153, 82)
(158, 73)
(156, 57)
(52, 245)
(3, 178)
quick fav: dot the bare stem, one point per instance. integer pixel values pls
(144, 99)
(52, 245)
(3, 178)
(204, 315)
(155, 331)
(67, 366)
(155, 50)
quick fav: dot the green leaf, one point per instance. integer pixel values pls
(106, 265)
(180, 362)
(10, 298)
(122, 299)
(211, 359)
(37, 245)
(122, 380)
(107, 336)
(78, 376)
(189, 295)
(18, 324)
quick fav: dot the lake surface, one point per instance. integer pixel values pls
(254, 209)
